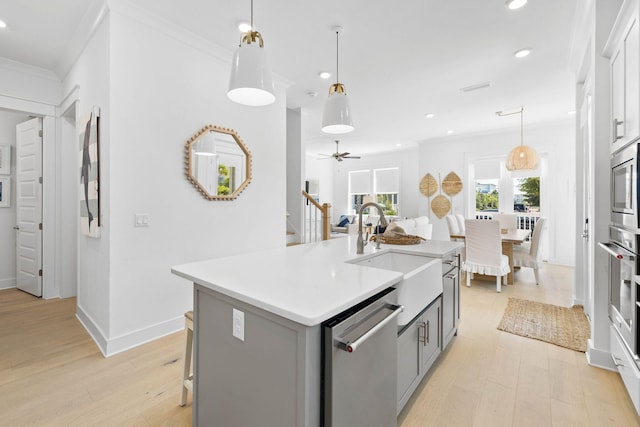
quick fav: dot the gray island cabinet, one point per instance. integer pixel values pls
(257, 328)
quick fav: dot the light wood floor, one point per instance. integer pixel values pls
(52, 374)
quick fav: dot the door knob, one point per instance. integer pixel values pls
(16, 228)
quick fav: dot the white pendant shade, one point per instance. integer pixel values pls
(336, 117)
(250, 82)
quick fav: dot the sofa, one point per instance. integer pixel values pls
(347, 224)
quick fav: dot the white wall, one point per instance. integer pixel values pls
(28, 83)
(8, 122)
(164, 86)
(406, 161)
(91, 74)
(322, 171)
(557, 141)
(295, 177)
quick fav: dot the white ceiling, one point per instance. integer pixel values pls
(398, 60)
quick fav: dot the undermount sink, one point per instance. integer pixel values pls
(421, 283)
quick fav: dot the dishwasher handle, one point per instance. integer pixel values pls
(617, 251)
(350, 347)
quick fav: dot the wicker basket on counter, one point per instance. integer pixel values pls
(401, 240)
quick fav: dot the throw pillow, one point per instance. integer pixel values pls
(344, 222)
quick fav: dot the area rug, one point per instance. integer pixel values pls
(564, 326)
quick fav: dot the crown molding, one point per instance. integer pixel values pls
(89, 23)
(21, 68)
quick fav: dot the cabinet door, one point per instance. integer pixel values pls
(617, 97)
(631, 82)
(408, 362)
(625, 85)
(450, 301)
(430, 335)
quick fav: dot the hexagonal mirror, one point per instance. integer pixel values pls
(218, 163)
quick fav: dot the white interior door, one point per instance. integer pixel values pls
(29, 206)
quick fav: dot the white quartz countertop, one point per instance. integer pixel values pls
(307, 284)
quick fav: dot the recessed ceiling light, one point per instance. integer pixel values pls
(522, 52)
(572, 112)
(324, 74)
(429, 115)
(398, 145)
(244, 26)
(515, 4)
(450, 131)
(3, 24)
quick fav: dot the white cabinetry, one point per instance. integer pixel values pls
(623, 50)
(626, 367)
(450, 296)
(419, 345)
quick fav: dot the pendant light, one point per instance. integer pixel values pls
(250, 82)
(336, 117)
(521, 157)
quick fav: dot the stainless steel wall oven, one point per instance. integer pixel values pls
(624, 187)
(622, 248)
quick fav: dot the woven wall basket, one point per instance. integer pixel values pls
(452, 184)
(428, 185)
(440, 206)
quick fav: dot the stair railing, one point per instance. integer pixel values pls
(314, 228)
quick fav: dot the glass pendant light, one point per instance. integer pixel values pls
(250, 82)
(336, 117)
(521, 157)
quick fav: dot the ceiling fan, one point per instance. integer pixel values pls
(338, 155)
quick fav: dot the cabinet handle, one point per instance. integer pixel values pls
(616, 123)
(422, 336)
(427, 329)
(451, 276)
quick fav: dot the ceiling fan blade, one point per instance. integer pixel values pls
(350, 157)
(346, 153)
(326, 155)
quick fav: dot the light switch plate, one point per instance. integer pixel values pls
(238, 324)
(142, 220)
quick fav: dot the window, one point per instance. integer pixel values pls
(359, 188)
(386, 186)
(526, 194)
(487, 195)
(381, 184)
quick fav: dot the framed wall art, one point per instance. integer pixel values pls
(89, 141)
(5, 192)
(5, 159)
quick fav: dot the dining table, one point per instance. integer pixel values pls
(509, 239)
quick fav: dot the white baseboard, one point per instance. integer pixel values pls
(111, 346)
(8, 283)
(93, 329)
(142, 336)
(599, 358)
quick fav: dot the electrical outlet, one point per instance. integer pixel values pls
(238, 324)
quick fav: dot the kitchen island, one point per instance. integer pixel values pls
(257, 326)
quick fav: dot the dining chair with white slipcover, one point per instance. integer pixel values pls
(452, 224)
(484, 251)
(530, 256)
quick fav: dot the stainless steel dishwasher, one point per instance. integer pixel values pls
(360, 364)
